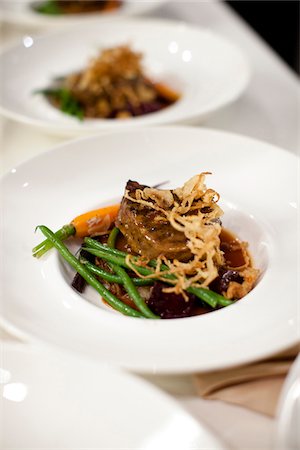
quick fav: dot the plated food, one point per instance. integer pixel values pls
(112, 86)
(160, 253)
(58, 7)
(61, 13)
(39, 302)
(204, 69)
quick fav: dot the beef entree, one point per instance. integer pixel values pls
(161, 253)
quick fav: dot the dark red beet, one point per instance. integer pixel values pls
(154, 106)
(79, 282)
(169, 305)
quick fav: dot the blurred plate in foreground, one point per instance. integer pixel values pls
(54, 400)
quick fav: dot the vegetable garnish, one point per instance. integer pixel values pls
(67, 7)
(64, 100)
(50, 7)
(107, 276)
(160, 253)
(90, 279)
(119, 258)
(90, 223)
(127, 282)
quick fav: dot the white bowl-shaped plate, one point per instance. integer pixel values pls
(206, 69)
(52, 400)
(288, 411)
(257, 184)
(20, 12)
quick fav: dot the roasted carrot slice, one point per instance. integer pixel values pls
(87, 224)
(166, 92)
(96, 221)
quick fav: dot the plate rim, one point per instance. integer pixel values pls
(154, 128)
(188, 369)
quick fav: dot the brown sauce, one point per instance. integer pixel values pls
(232, 248)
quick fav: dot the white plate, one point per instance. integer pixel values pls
(53, 400)
(288, 411)
(257, 184)
(209, 71)
(19, 12)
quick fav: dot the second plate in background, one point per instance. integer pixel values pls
(205, 68)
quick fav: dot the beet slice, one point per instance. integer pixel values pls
(170, 305)
(79, 282)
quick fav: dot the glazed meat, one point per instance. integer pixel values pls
(147, 233)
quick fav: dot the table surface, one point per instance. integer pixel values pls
(268, 110)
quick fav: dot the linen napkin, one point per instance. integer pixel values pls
(255, 386)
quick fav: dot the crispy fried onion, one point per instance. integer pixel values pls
(192, 210)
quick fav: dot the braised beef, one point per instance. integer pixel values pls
(146, 235)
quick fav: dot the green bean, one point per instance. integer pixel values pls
(89, 278)
(202, 293)
(48, 7)
(127, 282)
(222, 301)
(67, 103)
(211, 298)
(92, 243)
(62, 234)
(110, 277)
(107, 255)
(133, 292)
(205, 295)
(111, 241)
